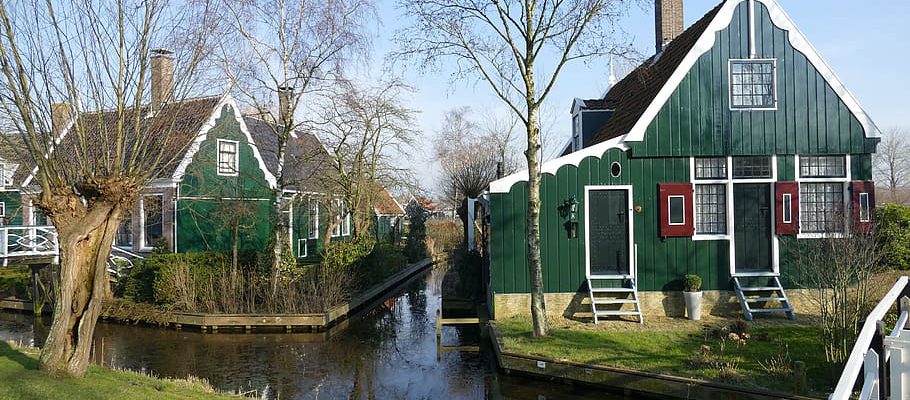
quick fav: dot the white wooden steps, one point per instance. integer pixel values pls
(611, 297)
(756, 291)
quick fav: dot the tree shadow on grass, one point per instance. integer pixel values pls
(7, 351)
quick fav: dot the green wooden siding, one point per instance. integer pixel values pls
(697, 120)
(13, 203)
(209, 205)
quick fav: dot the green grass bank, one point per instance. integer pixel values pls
(21, 380)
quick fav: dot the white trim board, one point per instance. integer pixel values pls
(551, 167)
(632, 255)
(226, 100)
(706, 42)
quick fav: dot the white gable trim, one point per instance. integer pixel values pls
(505, 184)
(228, 101)
(706, 42)
(69, 125)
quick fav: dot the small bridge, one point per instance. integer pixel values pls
(38, 245)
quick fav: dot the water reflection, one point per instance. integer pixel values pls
(388, 352)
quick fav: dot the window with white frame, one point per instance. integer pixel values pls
(677, 210)
(152, 220)
(342, 219)
(2, 209)
(301, 248)
(821, 206)
(823, 167)
(787, 199)
(752, 167)
(124, 236)
(710, 198)
(228, 162)
(752, 84)
(313, 219)
(576, 132)
(865, 208)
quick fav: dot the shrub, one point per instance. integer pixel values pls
(692, 283)
(14, 282)
(416, 247)
(893, 233)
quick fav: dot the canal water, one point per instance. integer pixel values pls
(385, 352)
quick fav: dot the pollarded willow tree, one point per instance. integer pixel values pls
(75, 86)
(519, 48)
(289, 50)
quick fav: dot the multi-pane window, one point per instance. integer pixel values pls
(711, 209)
(342, 219)
(752, 84)
(823, 167)
(125, 232)
(711, 168)
(753, 167)
(821, 207)
(313, 219)
(152, 220)
(576, 132)
(227, 157)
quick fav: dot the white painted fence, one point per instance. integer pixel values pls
(882, 358)
(28, 242)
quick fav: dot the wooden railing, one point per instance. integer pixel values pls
(28, 242)
(882, 358)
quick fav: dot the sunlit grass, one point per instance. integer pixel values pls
(20, 379)
(667, 351)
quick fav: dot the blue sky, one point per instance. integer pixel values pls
(863, 41)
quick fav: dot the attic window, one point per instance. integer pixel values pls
(752, 84)
(227, 157)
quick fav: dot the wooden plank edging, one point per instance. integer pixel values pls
(625, 379)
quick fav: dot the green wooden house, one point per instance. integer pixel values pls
(220, 192)
(713, 157)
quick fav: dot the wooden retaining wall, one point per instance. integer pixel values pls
(624, 380)
(248, 322)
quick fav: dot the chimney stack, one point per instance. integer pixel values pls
(162, 77)
(61, 113)
(668, 21)
(285, 105)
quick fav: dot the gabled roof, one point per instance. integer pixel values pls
(634, 93)
(181, 121)
(642, 93)
(386, 204)
(307, 162)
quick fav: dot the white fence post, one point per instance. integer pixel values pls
(870, 380)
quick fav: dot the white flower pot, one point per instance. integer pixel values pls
(693, 305)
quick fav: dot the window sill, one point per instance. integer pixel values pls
(705, 237)
(228, 174)
(836, 235)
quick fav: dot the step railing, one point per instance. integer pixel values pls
(120, 261)
(28, 241)
(882, 358)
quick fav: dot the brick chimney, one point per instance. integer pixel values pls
(162, 77)
(285, 105)
(61, 113)
(668, 21)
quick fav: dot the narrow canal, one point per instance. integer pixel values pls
(386, 352)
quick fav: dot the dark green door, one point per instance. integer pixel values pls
(752, 227)
(608, 232)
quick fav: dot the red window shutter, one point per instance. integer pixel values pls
(786, 211)
(862, 205)
(679, 221)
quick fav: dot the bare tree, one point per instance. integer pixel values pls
(519, 48)
(837, 271)
(289, 50)
(892, 162)
(363, 129)
(75, 58)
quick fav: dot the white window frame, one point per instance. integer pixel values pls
(2, 209)
(576, 132)
(865, 207)
(143, 246)
(670, 210)
(313, 218)
(236, 167)
(338, 230)
(302, 248)
(845, 181)
(787, 208)
(730, 63)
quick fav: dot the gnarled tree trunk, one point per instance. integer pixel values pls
(85, 246)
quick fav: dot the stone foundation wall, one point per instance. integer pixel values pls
(669, 304)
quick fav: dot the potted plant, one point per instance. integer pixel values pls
(693, 296)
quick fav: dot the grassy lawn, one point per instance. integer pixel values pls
(668, 350)
(20, 379)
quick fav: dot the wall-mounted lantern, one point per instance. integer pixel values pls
(569, 210)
